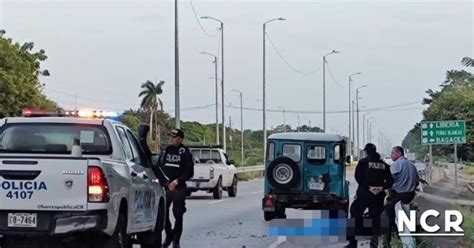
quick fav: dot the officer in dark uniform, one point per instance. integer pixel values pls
(374, 177)
(177, 164)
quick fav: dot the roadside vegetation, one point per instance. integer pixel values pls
(20, 70)
(454, 101)
(468, 223)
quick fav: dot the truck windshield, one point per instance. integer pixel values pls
(53, 138)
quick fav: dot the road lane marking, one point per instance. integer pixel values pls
(281, 240)
(258, 192)
(214, 202)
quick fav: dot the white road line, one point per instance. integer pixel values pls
(281, 240)
(258, 192)
(214, 202)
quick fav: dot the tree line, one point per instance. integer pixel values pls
(453, 101)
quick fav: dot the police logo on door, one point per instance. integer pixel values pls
(68, 183)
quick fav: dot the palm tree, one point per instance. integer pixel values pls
(466, 61)
(150, 100)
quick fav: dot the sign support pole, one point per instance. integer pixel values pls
(455, 166)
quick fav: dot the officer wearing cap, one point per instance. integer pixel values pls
(373, 176)
(177, 164)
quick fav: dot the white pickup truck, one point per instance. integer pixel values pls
(213, 172)
(104, 194)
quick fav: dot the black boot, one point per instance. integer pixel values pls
(176, 244)
(168, 241)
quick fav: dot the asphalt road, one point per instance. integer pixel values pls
(235, 222)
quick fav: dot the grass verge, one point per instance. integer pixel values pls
(250, 175)
(468, 223)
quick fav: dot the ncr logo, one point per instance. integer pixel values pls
(452, 223)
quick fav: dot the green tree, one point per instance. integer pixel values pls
(19, 71)
(455, 101)
(150, 100)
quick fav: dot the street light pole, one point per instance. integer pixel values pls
(350, 109)
(284, 119)
(217, 94)
(264, 88)
(363, 129)
(224, 138)
(176, 67)
(324, 88)
(241, 126)
(358, 130)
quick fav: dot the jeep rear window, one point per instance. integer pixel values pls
(292, 151)
(49, 138)
(316, 154)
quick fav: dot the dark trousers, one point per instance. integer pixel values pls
(177, 198)
(365, 199)
(395, 197)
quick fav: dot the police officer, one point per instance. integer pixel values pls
(373, 176)
(177, 164)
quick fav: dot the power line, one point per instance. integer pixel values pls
(332, 77)
(287, 63)
(199, 22)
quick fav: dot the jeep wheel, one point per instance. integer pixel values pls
(232, 190)
(283, 173)
(217, 191)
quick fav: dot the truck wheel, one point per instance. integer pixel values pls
(268, 216)
(232, 190)
(217, 192)
(119, 238)
(157, 233)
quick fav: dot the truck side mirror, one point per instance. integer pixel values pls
(348, 159)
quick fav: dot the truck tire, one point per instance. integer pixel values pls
(217, 191)
(268, 216)
(232, 190)
(157, 233)
(119, 238)
(283, 173)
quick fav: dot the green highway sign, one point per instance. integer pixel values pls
(443, 132)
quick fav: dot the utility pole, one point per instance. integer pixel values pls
(358, 111)
(217, 94)
(264, 110)
(298, 128)
(349, 113)
(222, 77)
(353, 128)
(241, 126)
(176, 67)
(324, 88)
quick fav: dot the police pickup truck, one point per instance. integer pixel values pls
(67, 178)
(213, 172)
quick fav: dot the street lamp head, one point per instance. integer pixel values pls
(204, 17)
(334, 51)
(281, 19)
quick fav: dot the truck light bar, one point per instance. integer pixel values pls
(69, 113)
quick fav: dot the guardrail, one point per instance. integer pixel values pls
(250, 168)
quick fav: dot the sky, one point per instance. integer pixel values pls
(102, 51)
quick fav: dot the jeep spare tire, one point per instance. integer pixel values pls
(283, 173)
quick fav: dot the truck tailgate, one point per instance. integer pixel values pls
(44, 183)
